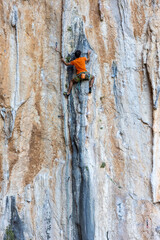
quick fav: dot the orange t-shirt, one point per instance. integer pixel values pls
(79, 64)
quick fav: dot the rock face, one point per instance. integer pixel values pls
(86, 167)
(152, 65)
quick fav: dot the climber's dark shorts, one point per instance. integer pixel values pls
(88, 76)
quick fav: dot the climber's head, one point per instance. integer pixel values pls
(77, 53)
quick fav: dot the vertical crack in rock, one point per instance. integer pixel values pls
(83, 208)
(14, 23)
(82, 190)
(115, 91)
(151, 60)
(100, 10)
(10, 114)
(66, 133)
(15, 223)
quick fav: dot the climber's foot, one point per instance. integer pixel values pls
(90, 89)
(66, 94)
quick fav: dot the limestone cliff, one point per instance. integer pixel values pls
(86, 167)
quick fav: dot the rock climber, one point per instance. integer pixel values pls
(82, 73)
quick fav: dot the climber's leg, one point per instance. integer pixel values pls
(66, 94)
(75, 80)
(70, 86)
(91, 84)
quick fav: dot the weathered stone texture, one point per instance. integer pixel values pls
(86, 167)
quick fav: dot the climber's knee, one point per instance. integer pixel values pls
(91, 79)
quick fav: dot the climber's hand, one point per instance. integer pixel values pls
(67, 64)
(89, 52)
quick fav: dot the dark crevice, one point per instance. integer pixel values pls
(83, 207)
(16, 224)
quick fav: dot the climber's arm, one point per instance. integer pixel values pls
(89, 52)
(67, 64)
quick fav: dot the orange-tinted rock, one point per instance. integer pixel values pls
(79, 168)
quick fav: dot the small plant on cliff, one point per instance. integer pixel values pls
(103, 165)
(87, 168)
(68, 58)
(69, 29)
(9, 233)
(101, 98)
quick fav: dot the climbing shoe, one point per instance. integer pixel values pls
(90, 89)
(66, 94)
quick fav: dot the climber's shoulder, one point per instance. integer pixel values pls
(79, 60)
(84, 58)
